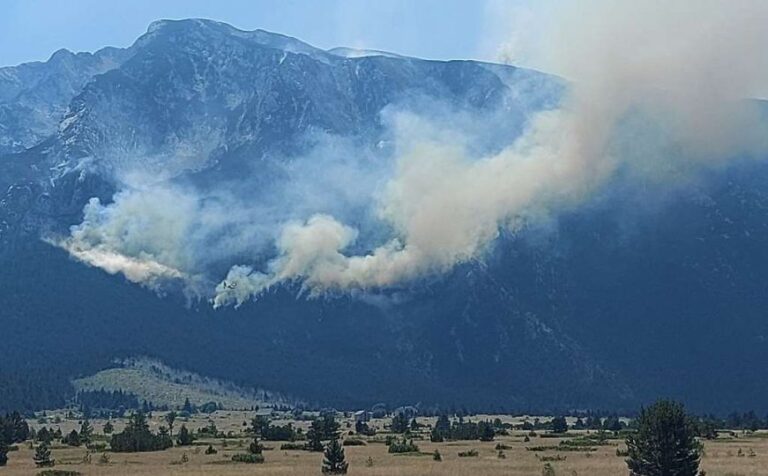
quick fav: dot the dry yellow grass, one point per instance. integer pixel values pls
(721, 457)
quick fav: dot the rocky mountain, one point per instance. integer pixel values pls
(606, 306)
(34, 96)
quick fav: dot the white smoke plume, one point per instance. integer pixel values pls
(655, 85)
(156, 230)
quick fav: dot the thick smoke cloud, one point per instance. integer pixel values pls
(657, 87)
(191, 231)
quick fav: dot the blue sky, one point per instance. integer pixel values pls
(440, 29)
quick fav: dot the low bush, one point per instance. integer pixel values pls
(469, 454)
(552, 458)
(354, 442)
(404, 446)
(293, 446)
(248, 458)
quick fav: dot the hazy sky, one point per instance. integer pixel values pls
(441, 29)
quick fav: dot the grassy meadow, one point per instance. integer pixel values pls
(732, 454)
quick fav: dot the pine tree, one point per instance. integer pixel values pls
(108, 428)
(334, 459)
(559, 425)
(72, 439)
(44, 435)
(6, 438)
(315, 436)
(137, 437)
(330, 427)
(443, 425)
(184, 437)
(18, 426)
(664, 444)
(187, 407)
(4, 448)
(255, 448)
(399, 423)
(259, 424)
(43, 456)
(86, 431)
(579, 425)
(487, 433)
(170, 418)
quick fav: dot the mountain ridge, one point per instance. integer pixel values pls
(538, 323)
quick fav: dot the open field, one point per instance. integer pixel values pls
(731, 455)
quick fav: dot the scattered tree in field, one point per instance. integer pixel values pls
(399, 423)
(594, 422)
(72, 439)
(334, 461)
(210, 450)
(436, 456)
(486, 431)
(184, 438)
(170, 418)
(86, 431)
(579, 425)
(462, 430)
(404, 446)
(43, 456)
(665, 442)
(435, 436)
(415, 425)
(315, 436)
(559, 425)
(255, 448)
(137, 437)
(108, 428)
(269, 432)
(14, 427)
(258, 424)
(706, 429)
(612, 423)
(362, 428)
(188, 409)
(4, 448)
(441, 430)
(6, 439)
(44, 435)
(330, 426)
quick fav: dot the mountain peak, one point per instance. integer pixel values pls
(211, 29)
(60, 54)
